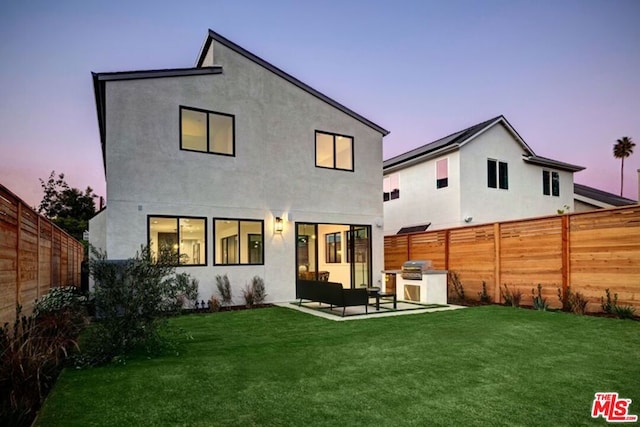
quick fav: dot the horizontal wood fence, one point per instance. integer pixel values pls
(35, 255)
(588, 252)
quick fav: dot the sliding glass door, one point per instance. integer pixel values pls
(335, 252)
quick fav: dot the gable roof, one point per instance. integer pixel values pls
(100, 79)
(601, 198)
(458, 139)
(213, 36)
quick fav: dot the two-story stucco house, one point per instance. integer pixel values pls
(481, 174)
(239, 169)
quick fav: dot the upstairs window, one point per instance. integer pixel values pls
(497, 174)
(391, 187)
(334, 151)
(550, 183)
(207, 131)
(442, 173)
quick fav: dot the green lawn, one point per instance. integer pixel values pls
(486, 365)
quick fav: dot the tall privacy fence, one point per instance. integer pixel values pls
(35, 255)
(589, 252)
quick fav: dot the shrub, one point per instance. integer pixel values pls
(573, 302)
(611, 306)
(485, 298)
(511, 298)
(624, 312)
(32, 353)
(58, 299)
(214, 304)
(608, 306)
(224, 289)
(538, 302)
(133, 298)
(457, 286)
(254, 293)
(259, 293)
(248, 295)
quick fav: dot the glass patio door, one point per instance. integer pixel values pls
(340, 252)
(359, 255)
(306, 251)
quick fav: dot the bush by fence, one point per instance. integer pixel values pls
(35, 255)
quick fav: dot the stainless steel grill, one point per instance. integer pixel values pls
(412, 270)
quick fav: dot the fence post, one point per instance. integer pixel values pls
(18, 247)
(496, 264)
(566, 259)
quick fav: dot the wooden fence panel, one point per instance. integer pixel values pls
(396, 251)
(605, 253)
(430, 247)
(28, 255)
(531, 254)
(588, 252)
(35, 255)
(472, 256)
(8, 255)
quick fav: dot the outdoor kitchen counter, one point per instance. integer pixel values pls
(432, 289)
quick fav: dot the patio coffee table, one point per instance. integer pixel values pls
(375, 293)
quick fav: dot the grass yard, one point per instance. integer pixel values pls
(486, 365)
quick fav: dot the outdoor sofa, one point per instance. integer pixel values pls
(331, 293)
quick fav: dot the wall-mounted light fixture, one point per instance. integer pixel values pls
(468, 219)
(278, 225)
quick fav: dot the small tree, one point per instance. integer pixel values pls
(133, 298)
(69, 208)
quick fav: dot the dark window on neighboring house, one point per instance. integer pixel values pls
(333, 250)
(497, 174)
(334, 151)
(550, 183)
(207, 131)
(391, 187)
(442, 173)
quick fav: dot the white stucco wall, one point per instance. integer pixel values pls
(524, 197)
(468, 194)
(420, 201)
(272, 174)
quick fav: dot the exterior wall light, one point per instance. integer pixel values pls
(278, 225)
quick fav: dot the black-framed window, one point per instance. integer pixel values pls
(442, 173)
(497, 174)
(238, 241)
(207, 131)
(550, 183)
(334, 151)
(178, 240)
(391, 187)
(333, 248)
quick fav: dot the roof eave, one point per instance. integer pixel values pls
(242, 51)
(99, 83)
(418, 158)
(552, 164)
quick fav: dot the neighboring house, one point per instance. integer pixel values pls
(240, 169)
(589, 198)
(481, 174)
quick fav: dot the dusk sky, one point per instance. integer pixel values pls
(565, 73)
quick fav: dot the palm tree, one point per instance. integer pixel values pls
(621, 149)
